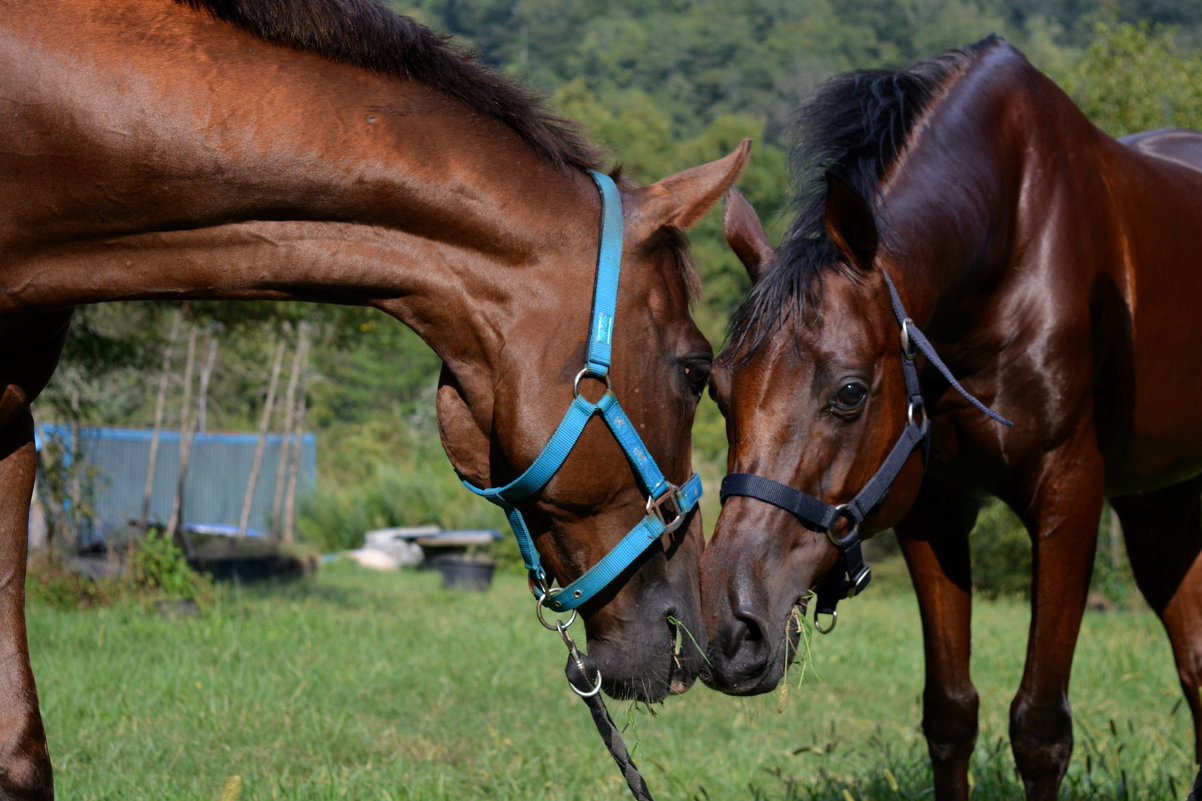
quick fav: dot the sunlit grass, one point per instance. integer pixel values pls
(384, 686)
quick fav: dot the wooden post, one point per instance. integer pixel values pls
(261, 443)
(160, 402)
(175, 521)
(289, 527)
(277, 505)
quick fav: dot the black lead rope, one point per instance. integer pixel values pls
(579, 669)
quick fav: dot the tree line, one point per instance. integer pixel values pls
(661, 85)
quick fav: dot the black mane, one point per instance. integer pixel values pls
(364, 34)
(853, 126)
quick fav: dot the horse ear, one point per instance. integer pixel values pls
(745, 234)
(850, 223)
(682, 199)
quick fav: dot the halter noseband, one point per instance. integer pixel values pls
(667, 504)
(817, 515)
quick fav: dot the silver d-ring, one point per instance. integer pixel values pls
(558, 625)
(588, 371)
(834, 619)
(926, 421)
(591, 692)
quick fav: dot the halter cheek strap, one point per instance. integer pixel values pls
(667, 504)
(817, 515)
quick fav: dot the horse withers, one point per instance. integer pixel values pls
(335, 152)
(968, 251)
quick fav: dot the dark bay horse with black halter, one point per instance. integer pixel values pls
(961, 219)
(329, 150)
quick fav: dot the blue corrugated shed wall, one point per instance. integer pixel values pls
(217, 474)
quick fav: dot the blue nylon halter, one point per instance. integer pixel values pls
(660, 492)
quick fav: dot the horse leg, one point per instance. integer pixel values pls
(24, 758)
(1062, 519)
(934, 541)
(31, 346)
(1163, 532)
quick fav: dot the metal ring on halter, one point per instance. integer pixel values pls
(596, 689)
(908, 348)
(558, 625)
(830, 532)
(574, 653)
(926, 421)
(834, 619)
(588, 371)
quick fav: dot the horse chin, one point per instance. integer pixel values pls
(649, 685)
(650, 673)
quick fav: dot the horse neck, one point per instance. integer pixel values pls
(204, 162)
(963, 189)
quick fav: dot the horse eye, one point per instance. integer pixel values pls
(849, 398)
(698, 375)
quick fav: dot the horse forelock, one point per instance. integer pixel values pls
(853, 126)
(364, 34)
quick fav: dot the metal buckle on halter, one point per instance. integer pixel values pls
(655, 506)
(859, 581)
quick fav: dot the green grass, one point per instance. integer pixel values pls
(383, 686)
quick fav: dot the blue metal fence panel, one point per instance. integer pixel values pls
(218, 472)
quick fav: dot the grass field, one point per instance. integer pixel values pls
(360, 685)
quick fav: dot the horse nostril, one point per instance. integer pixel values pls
(756, 629)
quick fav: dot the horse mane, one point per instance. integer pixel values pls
(364, 34)
(853, 126)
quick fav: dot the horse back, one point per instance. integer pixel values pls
(1179, 147)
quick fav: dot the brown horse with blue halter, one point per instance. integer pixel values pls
(331, 151)
(969, 252)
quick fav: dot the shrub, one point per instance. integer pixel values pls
(1001, 558)
(157, 567)
(336, 520)
(51, 582)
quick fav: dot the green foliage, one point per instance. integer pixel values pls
(1136, 77)
(406, 495)
(50, 582)
(1001, 558)
(155, 570)
(392, 473)
(159, 569)
(1001, 553)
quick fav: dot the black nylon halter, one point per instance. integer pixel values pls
(817, 515)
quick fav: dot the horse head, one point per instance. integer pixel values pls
(813, 389)
(644, 626)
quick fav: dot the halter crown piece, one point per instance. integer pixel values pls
(820, 516)
(663, 497)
